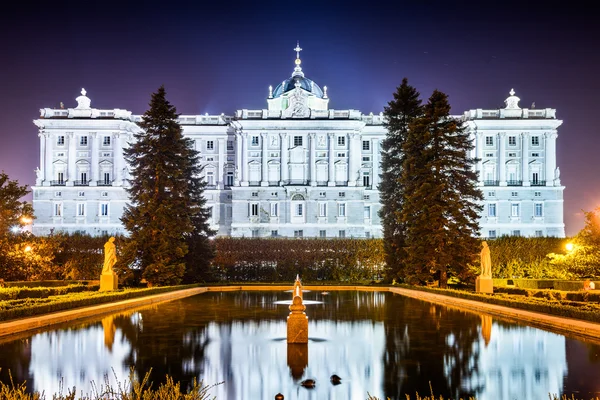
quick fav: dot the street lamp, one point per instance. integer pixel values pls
(569, 247)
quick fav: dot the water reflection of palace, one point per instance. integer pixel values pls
(378, 343)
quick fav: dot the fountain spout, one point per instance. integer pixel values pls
(297, 321)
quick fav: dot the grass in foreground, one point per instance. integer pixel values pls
(132, 389)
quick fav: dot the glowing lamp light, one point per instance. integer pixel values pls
(569, 246)
(26, 220)
(15, 229)
(27, 248)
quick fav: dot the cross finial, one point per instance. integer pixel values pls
(83, 92)
(298, 49)
(512, 92)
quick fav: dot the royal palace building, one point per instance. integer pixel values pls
(294, 169)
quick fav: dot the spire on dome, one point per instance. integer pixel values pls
(298, 68)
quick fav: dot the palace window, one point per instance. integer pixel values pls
(210, 145)
(492, 210)
(491, 194)
(274, 233)
(341, 154)
(535, 154)
(512, 140)
(58, 209)
(274, 209)
(297, 140)
(537, 194)
(535, 140)
(366, 179)
(57, 194)
(367, 197)
(229, 178)
(489, 140)
(492, 234)
(81, 194)
(322, 194)
(106, 141)
(366, 145)
(81, 209)
(341, 140)
(299, 210)
(489, 154)
(104, 194)
(254, 194)
(342, 194)
(516, 232)
(254, 233)
(367, 235)
(539, 233)
(515, 210)
(254, 141)
(83, 141)
(342, 233)
(342, 210)
(367, 212)
(322, 233)
(322, 209)
(366, 159)
(60, 141)
(538, 210)
(298, 233)
(253, 209)
(104, 209)
(514, 194)
(230, 145)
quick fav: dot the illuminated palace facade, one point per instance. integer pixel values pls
(294, 169)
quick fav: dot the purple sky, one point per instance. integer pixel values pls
(222, 57)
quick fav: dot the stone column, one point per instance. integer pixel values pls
(284, 159)
(502, 157)
(264, 158)
(42, 174)
(550, 157)
(119, 160)
(331, 159)
(525, 159)
(312, 164)
(221, 172)
(48, 172)
(479, 155)
(352, 159)
(376, 166)
(238, 158)
(95, 167)
(244, 166)
(71, 155)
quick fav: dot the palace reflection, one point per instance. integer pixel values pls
(379, 343)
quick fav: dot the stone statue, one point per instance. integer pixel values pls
(38, 173)
(557, 173)
(486, 261)
(110, 257)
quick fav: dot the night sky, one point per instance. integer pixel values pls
(220, 57)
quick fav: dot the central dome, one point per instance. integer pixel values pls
(305, 83)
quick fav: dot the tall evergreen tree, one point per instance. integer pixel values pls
(441, 201)
(167, 213)
(399, 113)
(13, 211)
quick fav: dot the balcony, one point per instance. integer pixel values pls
(81, 183)
(490, 183)
(538, 183)
(104, 183)
(514, 183)
(57, 183)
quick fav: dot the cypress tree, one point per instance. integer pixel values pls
(167, 213)
(441, 201)
(399, 113)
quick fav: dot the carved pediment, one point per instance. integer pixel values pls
(297, 104)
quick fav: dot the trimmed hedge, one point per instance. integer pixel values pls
(11, 293)
(54, 283)
(12, 309)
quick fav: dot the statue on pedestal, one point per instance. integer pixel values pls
(108, 279)
(484, 282)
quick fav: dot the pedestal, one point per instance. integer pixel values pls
(297, 328)
(484, 285)
(108, 282)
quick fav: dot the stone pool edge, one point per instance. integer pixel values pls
(46, 320)
(561, 324)
(571, 326)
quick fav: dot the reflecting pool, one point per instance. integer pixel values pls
(377, 342)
